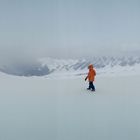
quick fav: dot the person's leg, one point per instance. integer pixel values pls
(89, 87)
(92, 86)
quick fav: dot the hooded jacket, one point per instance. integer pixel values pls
(91, 73)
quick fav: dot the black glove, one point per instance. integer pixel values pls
(85, 78)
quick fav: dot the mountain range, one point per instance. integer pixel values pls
(46, 66)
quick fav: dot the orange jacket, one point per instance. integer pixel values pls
(91, 73)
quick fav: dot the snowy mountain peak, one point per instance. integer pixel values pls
(61, 64)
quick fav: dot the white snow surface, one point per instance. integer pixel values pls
(54, 108)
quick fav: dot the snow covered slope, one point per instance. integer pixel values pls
(38, 108)
(46, 66)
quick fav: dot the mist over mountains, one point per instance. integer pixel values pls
(46, 66)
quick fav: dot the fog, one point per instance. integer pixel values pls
(68, 29)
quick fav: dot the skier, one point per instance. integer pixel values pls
(91, 76)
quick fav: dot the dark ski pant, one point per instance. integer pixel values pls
(91, 86)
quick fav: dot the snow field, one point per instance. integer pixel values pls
(62, 109)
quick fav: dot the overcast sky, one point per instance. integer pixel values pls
(68, 28)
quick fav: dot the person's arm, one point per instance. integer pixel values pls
(86, 78)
